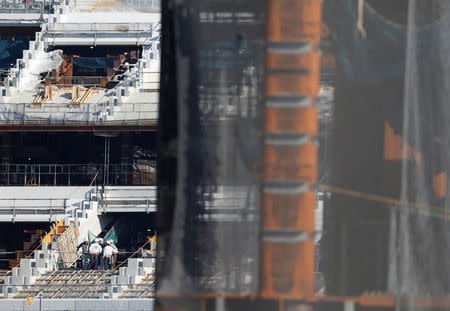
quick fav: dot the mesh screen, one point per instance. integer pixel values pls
(218, 58)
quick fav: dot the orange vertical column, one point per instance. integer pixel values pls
(290, 150)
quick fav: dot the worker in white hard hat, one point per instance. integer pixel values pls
(95, 250)
(102, 243)
(115, 252)
(108, 253)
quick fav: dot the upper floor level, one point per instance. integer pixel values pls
(87, 66)
(25, 13)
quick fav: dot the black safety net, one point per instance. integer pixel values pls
(211, 132)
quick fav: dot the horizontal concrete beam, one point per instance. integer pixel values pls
(149, 126)
(79, 304)
(125, 40)
(126, 209)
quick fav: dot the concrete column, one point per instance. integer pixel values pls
(126, 156)
(5, 156)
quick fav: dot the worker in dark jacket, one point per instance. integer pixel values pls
(83, 248)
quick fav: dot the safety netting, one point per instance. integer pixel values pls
(211, 121)
(41, 62)
(94, 62)
(386, 228)
(11, 48)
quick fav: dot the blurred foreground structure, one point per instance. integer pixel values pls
(239, 156)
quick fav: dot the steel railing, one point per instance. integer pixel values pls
(143, 4)
(33, 206)
(98, 27)
(61, 114)
(139, 121)
(74, 174)
(20, 7)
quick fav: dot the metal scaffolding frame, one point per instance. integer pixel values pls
(74, 174)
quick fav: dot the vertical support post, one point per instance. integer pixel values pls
(104, 164)
(290, 168)
(107, 164)
(220, 304)
(343, 269)
(14, 209)
(349, 306)
(126, 174)
(202, 304)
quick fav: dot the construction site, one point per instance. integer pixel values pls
(287, 155)
(79, 100)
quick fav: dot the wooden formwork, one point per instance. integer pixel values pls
(67, 244)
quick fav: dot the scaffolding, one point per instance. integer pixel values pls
(67, 244)
(12, 174)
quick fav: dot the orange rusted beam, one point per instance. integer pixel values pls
(388, 300)
(292, 84)
(440, 185)
(393, 147)
(292, 119)
(283, 211)
(294, 20)
(290, 157)
(284, 277)
(207, 296)
(365, 300)
(295, 163)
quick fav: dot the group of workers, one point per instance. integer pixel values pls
(98, 255)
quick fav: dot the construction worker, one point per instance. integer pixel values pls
(114, 256)
(148, 253)
(153, 240)
(108, 253)
(95, 250)
(102, 243)
(83, 248)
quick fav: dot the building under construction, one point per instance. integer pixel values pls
(290, 154)
(78, 112)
